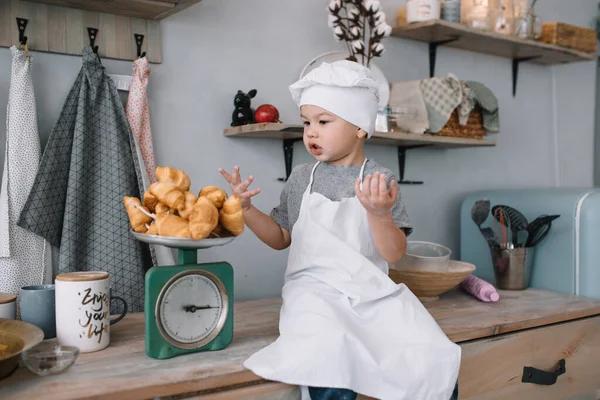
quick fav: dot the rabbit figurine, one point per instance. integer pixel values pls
(243, 114)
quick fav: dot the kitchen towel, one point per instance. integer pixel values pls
(88, 165)
(138, 115)
(25, 258)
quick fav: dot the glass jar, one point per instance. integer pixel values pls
(479, 15)
(503, 16)
(451, 10)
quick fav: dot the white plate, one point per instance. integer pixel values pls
(333, 56)
(181, 243)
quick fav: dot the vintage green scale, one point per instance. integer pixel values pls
(189, 306)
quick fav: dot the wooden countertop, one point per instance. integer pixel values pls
(123, 371)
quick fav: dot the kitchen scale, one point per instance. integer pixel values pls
(189, 306)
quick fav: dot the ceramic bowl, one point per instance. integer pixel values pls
(425, 256)
(429, 285)
(15, 338)
(50, 358)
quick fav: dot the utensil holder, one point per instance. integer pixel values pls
(512, 267)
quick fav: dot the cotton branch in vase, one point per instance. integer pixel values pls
(361, 24)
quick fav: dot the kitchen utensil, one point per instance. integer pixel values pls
(428, 285)
(49, 358)
(514, 220)
(479, 213)
(500, 220)
(19, 336)
(539, 228)
(188, 307)
(512, 267)
(425, 256)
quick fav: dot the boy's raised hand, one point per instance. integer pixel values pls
(375, 196)
(239, 188)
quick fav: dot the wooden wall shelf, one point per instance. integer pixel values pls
(145, 9)
(403, 141)
(460, 36)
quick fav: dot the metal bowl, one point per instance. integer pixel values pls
(424, 256)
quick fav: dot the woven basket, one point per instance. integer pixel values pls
(570, 36)
(473, 129)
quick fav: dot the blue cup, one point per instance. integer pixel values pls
(37, 307)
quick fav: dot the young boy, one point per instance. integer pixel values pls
(345, 326)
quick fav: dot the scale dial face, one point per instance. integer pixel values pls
(192, 309)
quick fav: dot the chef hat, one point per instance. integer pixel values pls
(344, 88)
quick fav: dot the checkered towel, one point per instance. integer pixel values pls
(442, 95)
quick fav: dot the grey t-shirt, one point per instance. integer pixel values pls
(334, 182)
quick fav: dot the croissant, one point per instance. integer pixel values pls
(231, 215)
(203, 218)
(162, 208)
(173, 226)
(152, 230)
(174, 176)
(190, 201)
(218, 231)
(150, 201)
(137, 218)
(168, 193)
(214, 194)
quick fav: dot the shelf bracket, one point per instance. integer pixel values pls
(288, 155)
(515, 70)
(402, 164)
(433, 52)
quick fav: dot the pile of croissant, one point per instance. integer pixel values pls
(170, 209)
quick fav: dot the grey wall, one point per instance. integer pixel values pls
(219, 46)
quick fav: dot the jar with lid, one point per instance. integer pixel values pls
(8, 306)
(422, 10)
(479, 15)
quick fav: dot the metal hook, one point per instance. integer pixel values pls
(22, 24)
(92, 34)
(139, 39)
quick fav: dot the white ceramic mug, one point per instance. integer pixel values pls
(83, 310)
(8, 306)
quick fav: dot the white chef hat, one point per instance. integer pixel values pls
(344, 88)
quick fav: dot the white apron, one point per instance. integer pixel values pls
(25, 258)
(344, 323)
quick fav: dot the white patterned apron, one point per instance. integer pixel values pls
(344, 323)
(25, 258)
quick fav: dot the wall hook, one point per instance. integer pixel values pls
(93, 34)
(22, 24)
(139, 39)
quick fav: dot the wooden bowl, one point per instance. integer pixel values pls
(429, 285)
(17, 336)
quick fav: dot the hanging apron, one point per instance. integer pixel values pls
(138, 117)
(344, 323)
(88, 165)
(25, 258)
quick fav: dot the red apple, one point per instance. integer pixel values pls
(266, 113)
